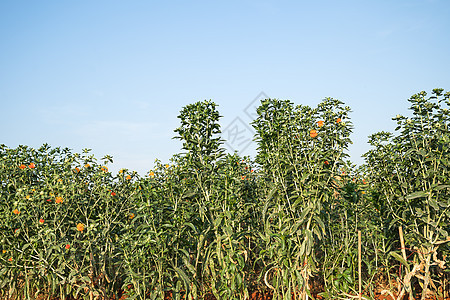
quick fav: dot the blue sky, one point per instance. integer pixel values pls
(113, 75)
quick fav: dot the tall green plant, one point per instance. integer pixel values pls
(300, 151)
(410, 172)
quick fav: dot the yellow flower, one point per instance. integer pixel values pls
(167, 166)
(28, 197)
(80, 227)
(86, 165)
(4, 251)
(121, 171)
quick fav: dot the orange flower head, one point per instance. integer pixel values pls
(77, 170)
(364, 181)
(338, 120)
(80, 227)
(16, 211)
(22, 167)
(67, 246)
(4, 251)
(59, 200)
(86, 165)
(104, 169)
(131, 216)
(167, 166)
(326, 162)
(113, 194)
(320, 123)
(32, 166)
(243, 177)
(41, 221)
(10, 259)
(152, 174)
(128, 177)
(121, 171)
(313, 133)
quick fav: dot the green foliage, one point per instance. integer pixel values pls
(208, 222)
(62, 215)
(410, 177)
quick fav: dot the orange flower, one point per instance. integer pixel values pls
(152, 174)
(313, 133)
(80, 227)
(243, 177)
(32, 166)
(27, 197)
(131, 216)
(104, 169)
(320, 123)
(16, 211)
(338, 120)
(113, 194)
(22, 167)
(67, 246)
(10, 259)
(59, 200)
(167, 166)
(326, 162)
(41, 221)
(121, 171)
(364, 181)
(128, 177)
(77, 170)
(86, 165)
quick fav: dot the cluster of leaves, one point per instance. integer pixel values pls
(62, 216)
(409, 175)
(210, 222)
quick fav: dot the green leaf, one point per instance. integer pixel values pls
(399, 258)
(416, 195)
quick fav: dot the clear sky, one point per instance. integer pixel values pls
(113, 75)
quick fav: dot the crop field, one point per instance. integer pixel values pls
(299, 221)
